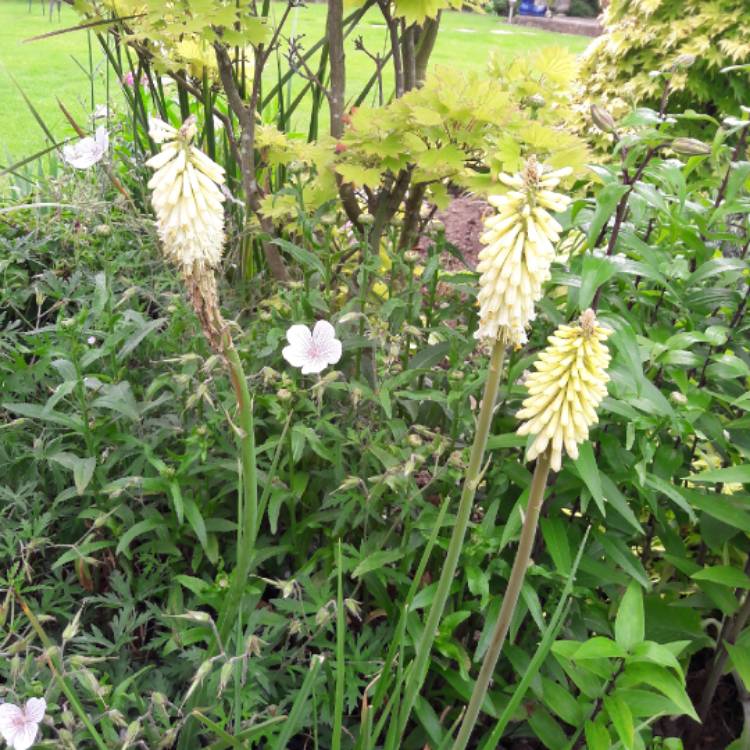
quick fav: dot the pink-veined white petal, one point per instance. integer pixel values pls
(312, 352)
(19, 727)
(299, 336)
(10, 718)
(35, 708)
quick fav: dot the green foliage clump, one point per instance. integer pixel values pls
(643, 36)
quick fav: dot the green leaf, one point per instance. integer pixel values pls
(598, 647)
(82, 550)
(730, 475)
(142, 527)
(119, 397)
(659, 678)
(547, 729)
(589, 472)
(429, 356)
(596, 270)
(304, 257)
(719, 506)
(376, 560)
(555, 535)
(606, 202)
(195, 519)
(35, 411)
(621, 718)
(726, 575)
(740, 656)
(714, 267)
(559, 700)
(630, 626)
(136, 338)
(82, 468)
(597, 736)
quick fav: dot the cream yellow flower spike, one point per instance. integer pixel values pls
(189, 208)
(186, 197)
(519, 251)
(569, 384)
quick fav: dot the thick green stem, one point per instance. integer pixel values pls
(247, 524)
(247, 531)
(517, 575)
(471, 482)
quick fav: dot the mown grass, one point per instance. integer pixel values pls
(58, 67)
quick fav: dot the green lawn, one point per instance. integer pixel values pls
(58, 66)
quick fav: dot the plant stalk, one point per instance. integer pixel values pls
(517, 575)
(247, 531)
(471, 482)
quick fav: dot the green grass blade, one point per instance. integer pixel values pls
(33, 109)
(291, 725)
(385, 677)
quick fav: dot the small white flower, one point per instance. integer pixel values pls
(88, 151)
(19, 726)
(313, 352)
(91, 340)
(101, 112)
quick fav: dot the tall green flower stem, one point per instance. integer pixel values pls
(471, 482)
(52, 654)
(517, 575)
(247, 523)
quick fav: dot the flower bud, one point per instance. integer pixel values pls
(225, 675)
(414, 441)
(690, 147)
(537, 101)
(71, 629)
(603, 119)
(678, 398)
(683, 61)
(366, 219)
(283, 394)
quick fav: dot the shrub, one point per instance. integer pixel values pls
(642, 36)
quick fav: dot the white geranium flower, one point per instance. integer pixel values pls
(312, 352)
(19, 726)
(88, 151)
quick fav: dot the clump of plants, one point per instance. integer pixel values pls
(380, 503)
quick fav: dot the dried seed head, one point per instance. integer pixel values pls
(203, 294)
(520, 241)
(569, 382)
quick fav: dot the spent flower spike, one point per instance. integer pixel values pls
(312, 351)
(569, 384)
(519, 251)
(88, 151)
(20, 726)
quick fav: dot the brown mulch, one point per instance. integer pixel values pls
(463, 227)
